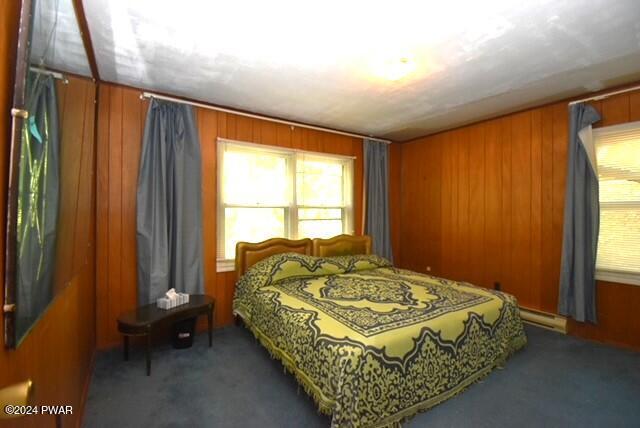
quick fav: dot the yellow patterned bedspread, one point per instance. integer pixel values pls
(373, 344)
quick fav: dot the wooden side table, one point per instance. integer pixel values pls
(143, 320)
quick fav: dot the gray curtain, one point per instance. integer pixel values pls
(38, 196)
(169, 209)
(581, 220)
(376, 173)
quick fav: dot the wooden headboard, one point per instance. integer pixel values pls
(342, 245)
(248, 254)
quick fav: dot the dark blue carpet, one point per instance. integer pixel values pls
(556, 381)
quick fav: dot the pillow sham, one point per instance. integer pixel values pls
(293, 265)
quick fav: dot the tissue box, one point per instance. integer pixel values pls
(167, 303)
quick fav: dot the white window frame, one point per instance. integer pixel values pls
(618, 276)
(291, 211)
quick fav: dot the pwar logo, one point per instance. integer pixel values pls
(56, 410)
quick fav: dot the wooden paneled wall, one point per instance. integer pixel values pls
(57, 353)
(121, 120)
(76, 101)
(484, 203)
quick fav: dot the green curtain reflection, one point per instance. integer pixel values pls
(38, 194)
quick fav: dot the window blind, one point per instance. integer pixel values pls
(266, 192)
(255, 195)
(618, 159)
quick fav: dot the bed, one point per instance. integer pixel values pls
(372, 344)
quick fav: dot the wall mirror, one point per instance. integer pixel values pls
(51, 164)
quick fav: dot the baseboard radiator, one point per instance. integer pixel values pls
(544, 320)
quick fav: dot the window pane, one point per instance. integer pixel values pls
(619, 190)
(319, 228)
(319, 183)
(251, 225)
(320, 214)
(255, 178)
(619, 170)
(619, 240)
(618, 157)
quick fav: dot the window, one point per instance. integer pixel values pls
(267, 192)
(618, 157)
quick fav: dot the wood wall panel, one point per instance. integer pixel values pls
(84, 228)
(535, 231)
(499, 185)
(76, 111)
(506, 231)
(57, 353)
(548, 295)
(476, 227)
(492, 204)
(69, 110)
(102, 207)
(121, 119)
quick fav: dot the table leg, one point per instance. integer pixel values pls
(126, 347)
(149, 353)
(210, 322)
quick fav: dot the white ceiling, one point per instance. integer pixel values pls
(318, 62)
(56, 42)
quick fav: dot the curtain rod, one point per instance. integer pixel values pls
(53, 74)
(144, 95)
(606, 95)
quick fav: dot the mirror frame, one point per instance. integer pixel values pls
(18, 115)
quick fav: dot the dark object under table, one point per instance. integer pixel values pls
(143, 320)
